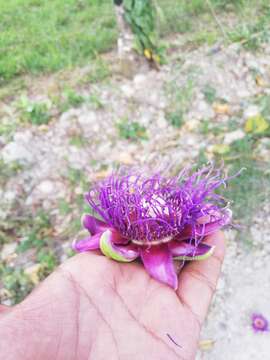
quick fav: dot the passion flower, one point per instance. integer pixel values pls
(156, 218)
(259, 323)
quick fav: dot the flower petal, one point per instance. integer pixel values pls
(158, 262)
(89, 243)
(123, 253)
(205, 229)
(92, 224)
(216, 225)
(185, 250)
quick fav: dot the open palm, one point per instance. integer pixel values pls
(95, 308)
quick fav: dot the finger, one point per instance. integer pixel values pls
(198, 279)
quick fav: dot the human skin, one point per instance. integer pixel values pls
(94, 308)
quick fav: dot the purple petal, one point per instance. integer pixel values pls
(93, 225)
(122, 253)
(89, 243)
(184, 250)
(215, 225)
(206, 229)
(158, 262)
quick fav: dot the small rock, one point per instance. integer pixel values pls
(202, 106)
(127, 90)
(23, 136)
(17, 152)
(86, 119)
(203, 111)
(78, 190)
(9, 196)
(46, 187)
(139, 79)
(46, 192)
(126, 159)
(243, 93)
(233, 136)
(251, 111)
(8, 250)
(162, 122)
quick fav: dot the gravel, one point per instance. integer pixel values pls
(47, 154)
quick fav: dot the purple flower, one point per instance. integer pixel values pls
(259, 323)
(156, 218)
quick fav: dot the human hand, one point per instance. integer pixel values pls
(94, 308)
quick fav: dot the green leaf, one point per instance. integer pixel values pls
(256, 125)
(221, 149)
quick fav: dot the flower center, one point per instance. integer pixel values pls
(155, 206)
(259, 323)
(153, 242)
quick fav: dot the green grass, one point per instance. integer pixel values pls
(9, 170)
(78, 140)
(71, 100)
(36, 113)
(48, 261)
(35, 234)
(254, 32)
(39, 36)
(16, 283)
(42, 36)
(131, 130)
(179, 100)
(251, 188)
(209, 94)
(100, 71)
(175, 118)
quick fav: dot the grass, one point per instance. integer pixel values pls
(100, 71)
(16, 283)
(179, 100)
(252, 34)
(36, 113)
(37, 234)
(131, 130)
(38, 36)
(78, 140)
(43, 36)
(248, 191)
(252, 188)
(34, 232)
(71, 100)
(209, 94)
(7, 128)
(175, 118)
(9, 170)
(48, 261)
